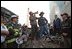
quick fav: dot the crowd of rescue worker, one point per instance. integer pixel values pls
(13, 33)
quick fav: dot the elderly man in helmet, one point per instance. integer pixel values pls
(14, 32)
(66, 29)
(42, 21)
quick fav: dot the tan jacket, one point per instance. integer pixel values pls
(32, 20)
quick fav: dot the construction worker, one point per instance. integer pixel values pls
(14, 32)
(42, 22)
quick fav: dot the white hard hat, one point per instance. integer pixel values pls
(13, 16)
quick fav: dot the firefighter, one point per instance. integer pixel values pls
(14, 32)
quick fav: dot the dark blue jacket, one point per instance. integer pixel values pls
(42, 21)
(57, 23)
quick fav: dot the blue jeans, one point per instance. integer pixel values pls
(44, 30)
